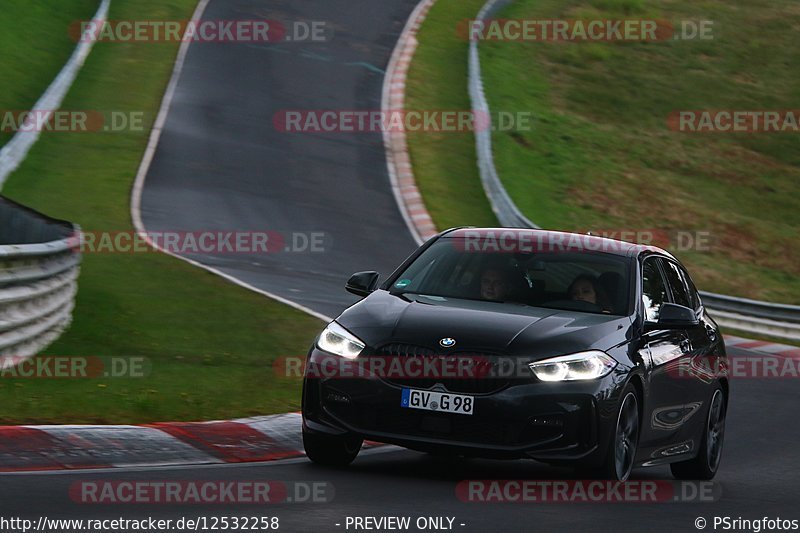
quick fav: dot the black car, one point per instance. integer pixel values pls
(565, 348)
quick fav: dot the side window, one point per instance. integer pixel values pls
(654, 292)
(678, 287)
(694, 297)
(693, 294)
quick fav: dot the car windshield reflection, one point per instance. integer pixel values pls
(581, 281)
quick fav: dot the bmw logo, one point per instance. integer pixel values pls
(447, 342)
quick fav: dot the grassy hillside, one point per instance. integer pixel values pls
(210, 344)
(601, 155)
(34, 45)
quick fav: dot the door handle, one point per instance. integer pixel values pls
(712, 335)
(685, 345)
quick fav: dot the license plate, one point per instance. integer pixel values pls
(437, 401)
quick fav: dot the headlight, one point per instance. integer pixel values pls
(584, 365)
(337, 340)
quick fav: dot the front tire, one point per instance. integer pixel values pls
(706, 464)
(621, 454)
(331, 450)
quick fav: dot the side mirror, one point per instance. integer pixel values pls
(676, 316)
(362, 283)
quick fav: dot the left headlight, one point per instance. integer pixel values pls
(579, 366)
(337, 340)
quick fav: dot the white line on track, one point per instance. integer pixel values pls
(144, 167)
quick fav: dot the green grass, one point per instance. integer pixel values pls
(210, 344)
(35, 44)
(445, 163)
(600, 155)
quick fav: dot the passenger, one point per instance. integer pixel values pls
(585, 288)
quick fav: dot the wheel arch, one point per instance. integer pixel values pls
(638, 385)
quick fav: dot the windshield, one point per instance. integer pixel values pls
(591, 282)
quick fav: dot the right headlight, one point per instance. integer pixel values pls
(578, 366)
(338, 341)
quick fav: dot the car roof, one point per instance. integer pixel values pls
(568, 241)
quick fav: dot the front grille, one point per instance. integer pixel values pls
(485, 375)
(473, 429)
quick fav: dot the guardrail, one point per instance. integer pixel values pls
(754, 316)
(766, 318)
(39, 268)
(503, 206)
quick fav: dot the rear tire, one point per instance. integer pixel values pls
(331, 450)
(706, 464)
(621, 454)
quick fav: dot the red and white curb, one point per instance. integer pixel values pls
(246, 440)
(401, 175)
(765, 347)
(35, 448)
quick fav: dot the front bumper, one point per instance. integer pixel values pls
(570, 421)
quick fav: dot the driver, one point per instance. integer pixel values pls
(494, 284)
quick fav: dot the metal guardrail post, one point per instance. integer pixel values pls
(39, 268)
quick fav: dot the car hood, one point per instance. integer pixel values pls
(479, 326)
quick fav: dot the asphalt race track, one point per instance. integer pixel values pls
(756, 479)
(222, 165)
